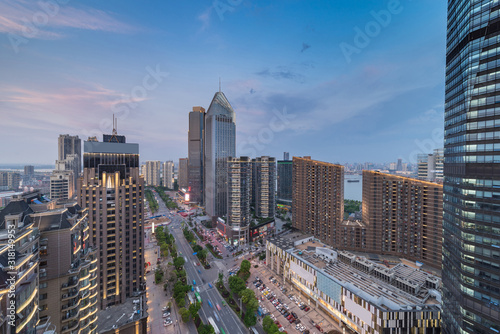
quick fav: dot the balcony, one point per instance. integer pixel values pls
(70, 327)
(71, 315)
(72, 293)
(73, 281)
(71, 305)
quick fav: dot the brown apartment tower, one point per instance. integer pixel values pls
(113, 191)
(318, 198)
(402, 217)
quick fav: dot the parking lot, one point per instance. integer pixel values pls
(296, 306)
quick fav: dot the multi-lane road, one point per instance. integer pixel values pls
(225, 318)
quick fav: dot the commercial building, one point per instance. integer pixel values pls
(152, 177)
(168, 174)
(318, 198)
(70, 163)
(403, 217)
(430, 166)
(68, 270)
(112, 189)
(196, 142)
(284, 181)
(182, 173)
(69, 155)
(239, 192)
(62, 185)
(360, 295)
(220, 143)
(264, 186)
(471, 227)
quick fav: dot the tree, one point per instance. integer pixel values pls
(269, 326)
(245, 266)
(221, 277)
(202, 255)
(247, 295)
(206, 329)
(179, 262)
(250, 319)
(194, 308)
(184, 314)
(236, 284)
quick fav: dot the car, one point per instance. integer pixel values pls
(218, 307)
(210, 304)
(165, 315)
(210, 285)
(306, 308)
(194, 282)
(199, 272)
(167, 323)
(165, 308)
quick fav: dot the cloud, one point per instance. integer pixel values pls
(205, 18)
(282, 72)
(39, 21)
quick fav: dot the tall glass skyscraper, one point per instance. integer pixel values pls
(220, 143)
(471, 227)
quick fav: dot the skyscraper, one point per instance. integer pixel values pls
(152, 177)
(471, 225)
(220, 143)
(196, 141)
(284, 194)
(70, 155)
(168, 174)
(318, 198)
(62, 185)
(264, 186)
(182, 173)
(113, 191)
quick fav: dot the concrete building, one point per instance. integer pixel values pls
(403, 217)
(318, 198)
(70, 145)
(264, 186)
(430, 166)
(220, 143)
(70, 163)
(29, 171)
(152, 177)
(68, 270)
(182, 174)
(10, 180)
(196, 142)
(168, 174)
(112, 190)
(62, 185)
(360, 295)
(471, 224)
(284, 181)
(239, 190)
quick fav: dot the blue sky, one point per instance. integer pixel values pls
(65, 67)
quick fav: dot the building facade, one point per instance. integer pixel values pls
(182, 173)
(471, 227)
(112, 189)
(68, 270)
(430, 166)
(62, 185)
(239, 193)
(168, 174)
(403, 217)
(360, 295)
(284, 175)
(196, 142)
(152, 177)
(317, 198)
(264, 186)
(220, 143)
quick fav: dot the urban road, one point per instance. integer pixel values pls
(225, 318)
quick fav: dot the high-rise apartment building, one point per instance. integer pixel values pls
(29, 171)
(263, 186)
(286, 156)
(239, 192)
(112, 189)
(168, 174)
(70, 163)
(70, 155)
(318, 198)
(68, 270)
(62, 185)
(284, 176)
(220, 143)
(182, 173)
(152, 177)
(402, 217)
(471, 226)
(430, 166)
(196, 141)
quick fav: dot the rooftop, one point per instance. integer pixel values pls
(119, 315)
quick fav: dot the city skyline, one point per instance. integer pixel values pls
(307, 73)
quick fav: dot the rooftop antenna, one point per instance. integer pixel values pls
(115, 121)
(219, 84)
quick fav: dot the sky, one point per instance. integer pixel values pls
(341, 81)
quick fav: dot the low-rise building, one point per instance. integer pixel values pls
(361, 295)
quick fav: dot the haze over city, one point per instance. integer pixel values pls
(151, 62)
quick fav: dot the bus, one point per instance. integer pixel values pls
(222, 330)
(212, 323)
(198, 297)
(254, 331)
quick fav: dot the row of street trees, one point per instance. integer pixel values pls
(237, 286)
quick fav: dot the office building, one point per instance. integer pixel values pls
(360, 296)
(70, 163)
(403, 217)
(68, 270)
(70, 145)
(239, 190)
(220, 143)
(62, 185)
(286, 156)
(284, 181)
(471, 226)
(399, 166)
(317, 198)
(182, 173)
(19, 260)
(112, 189)
(196, 141)
(152, 177)
(263, 186)
(430, 166)
(168, 174)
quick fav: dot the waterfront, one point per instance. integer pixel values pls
(353, 190)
